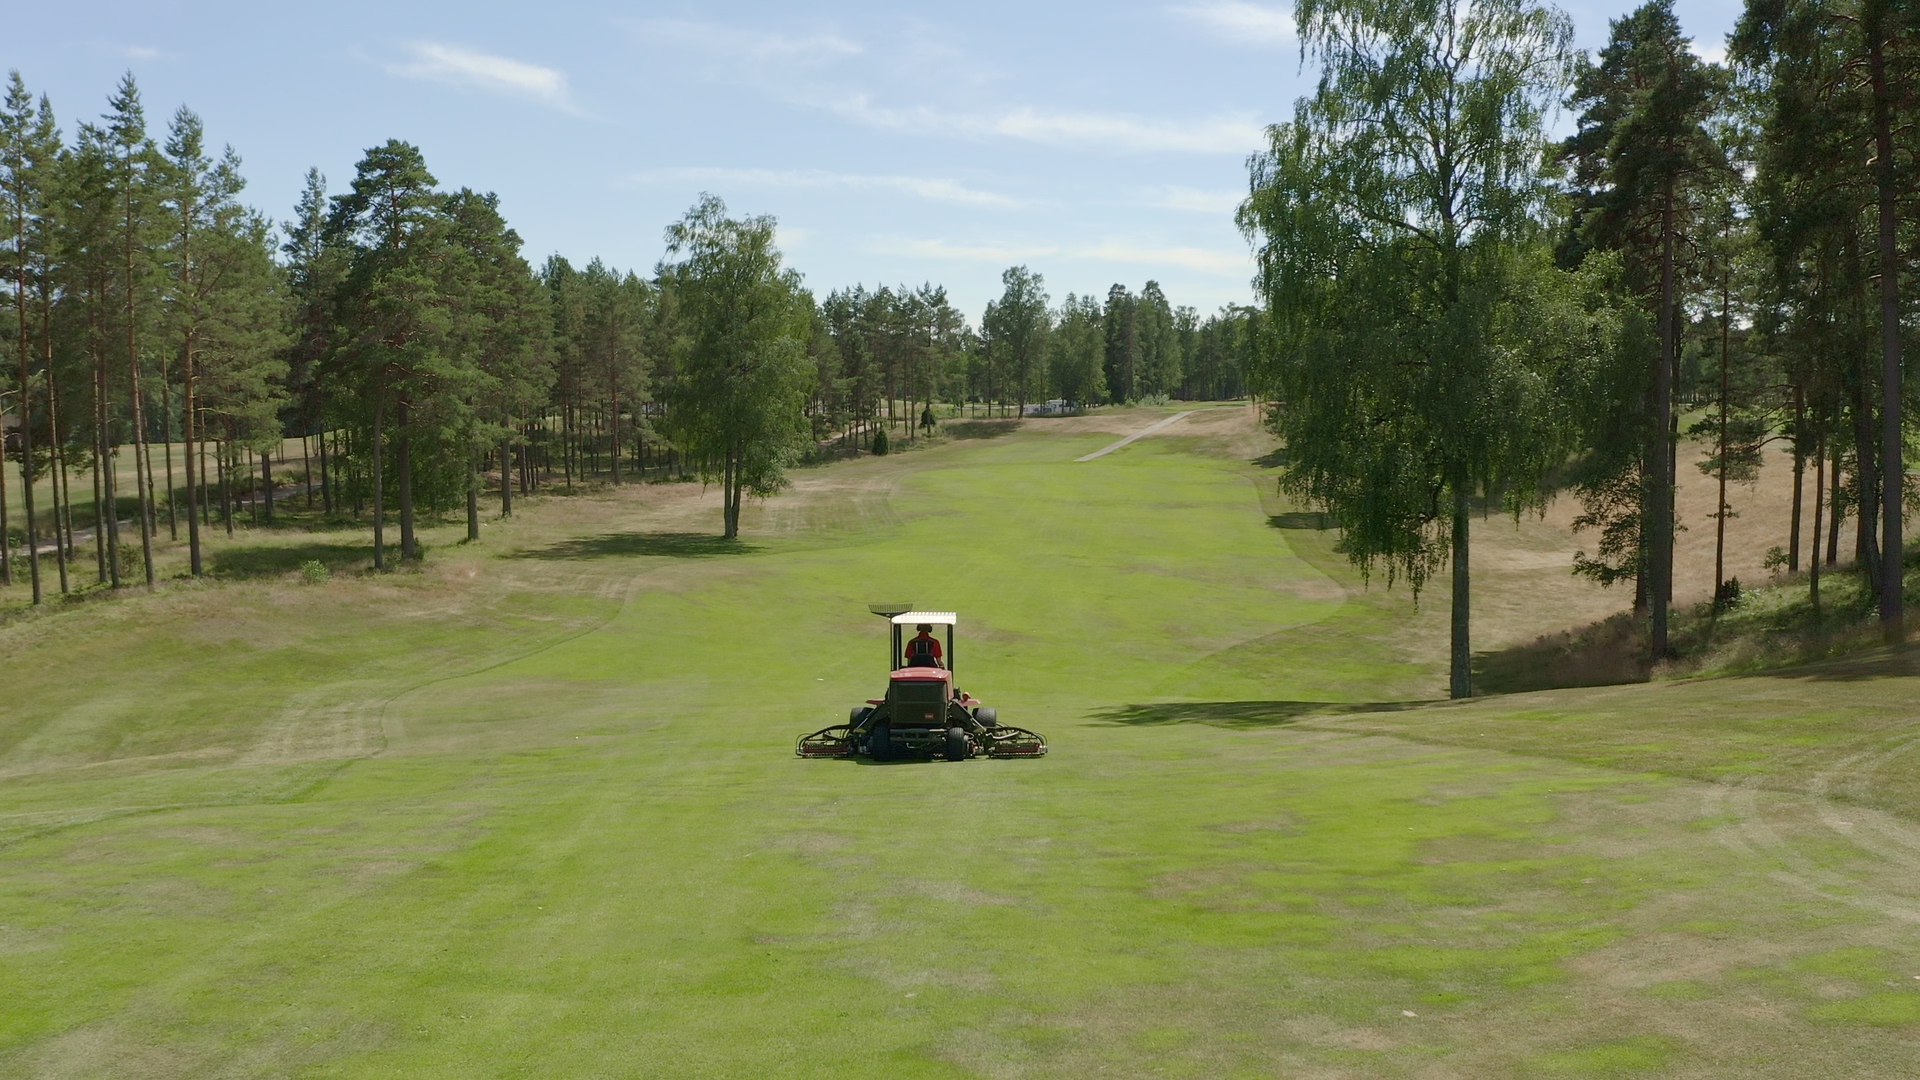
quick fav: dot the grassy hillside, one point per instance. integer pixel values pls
(532, 811)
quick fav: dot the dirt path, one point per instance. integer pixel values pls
(1141, 434)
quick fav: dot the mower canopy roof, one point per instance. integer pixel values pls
(931, 618)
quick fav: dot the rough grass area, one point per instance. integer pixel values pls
(532, 810)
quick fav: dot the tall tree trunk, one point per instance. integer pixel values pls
(1833, 523)
(26, 437)
(6, 528)
(223, 459)
(1460, 665)
(99, 501)
(729, 529)
(506, 478)
(1720, 511)
(1799, 479)
(142, 473)
(613, 418)
(166, 444)
(473, 501)
(379, 487)
(306, 463)
(109, 467)
(62, 508)
(329, 501)
(1660, 540)
(403, 464)
(190, 434)
(266, 484)
(1866, 542)
(1819, 492)
(566, 442)
(1892, 465)
(142, 470)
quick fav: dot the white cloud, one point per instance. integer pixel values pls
(941, 249)
(1204, 260)
(436, 62)
(1195, 200)
(931, 188)
(1220, 135)
(140, 52)
(1239, 22)
(1715, 53)
(720, 41)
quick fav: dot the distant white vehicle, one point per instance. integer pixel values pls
(1056, 407)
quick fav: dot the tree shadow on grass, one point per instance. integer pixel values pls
(1614, 652)
(1240, 714)
(981, 429)
(272, 560)
(669, 545)
(1301, 520)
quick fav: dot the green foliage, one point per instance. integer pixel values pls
(1075, 350)
(1396, 218)
(742, 377)
(1014, 329)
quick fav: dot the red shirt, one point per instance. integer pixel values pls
(923, 645)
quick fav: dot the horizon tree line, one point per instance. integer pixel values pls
(161, 331)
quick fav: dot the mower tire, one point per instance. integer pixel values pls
(880, 742)
(988, 716)
(859, 713)
(958, 747)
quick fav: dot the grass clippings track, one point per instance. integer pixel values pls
(1158, 425)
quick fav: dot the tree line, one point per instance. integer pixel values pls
(162, 336)
(1464, 312)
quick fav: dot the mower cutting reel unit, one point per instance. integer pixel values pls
(924, 714)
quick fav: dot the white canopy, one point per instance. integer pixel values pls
(932, 618)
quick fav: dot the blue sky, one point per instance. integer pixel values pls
(1096, 143)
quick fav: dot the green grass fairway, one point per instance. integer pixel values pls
(533, 811)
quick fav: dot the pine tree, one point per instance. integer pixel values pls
(133, 164)
(1643, 154)
(390, 311)
(29, 148)
(501, 334)
(1842, 82)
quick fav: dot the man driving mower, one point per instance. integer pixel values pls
(924, 649)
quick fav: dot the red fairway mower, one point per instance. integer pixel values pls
(924, 715)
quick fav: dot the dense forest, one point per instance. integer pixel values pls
(1464, 311)
(160, 330)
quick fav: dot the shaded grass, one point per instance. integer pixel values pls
(980, 429)
(274, 560)
(1301, 519)
(1236, 714)
(1776, 627)
(673, 545)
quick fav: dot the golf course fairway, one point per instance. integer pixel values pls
(534, 810)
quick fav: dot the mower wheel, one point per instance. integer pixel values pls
(859, 713)
(958, 748)
(880, 742)
(988, 716)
